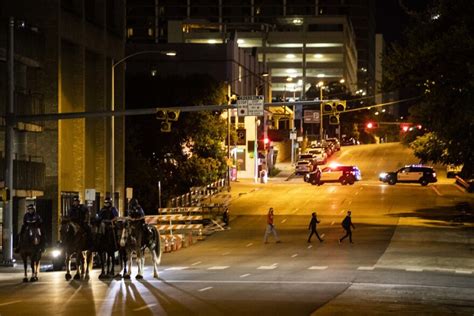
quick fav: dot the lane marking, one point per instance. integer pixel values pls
(365, 268)
(144, 307)
(10, 303)
(226, 253)
(310, 246)
(434, 188)
(284, 220)
(294, 256)
(249, 244)
(414, 269)
(342, 211)
(196, 263)
(350, 202)
(463, 271)
(218, 268)
(332, 223)
(205, 289)
(176, 268)
(318, 268)
(322, 235)
(457, 187)
(273, 266)
(245, 275)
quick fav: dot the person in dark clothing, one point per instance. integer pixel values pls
(312, 227)
(225, 216)
(107, 213)
(347, 225)
(31, 218)
(79, 214)
(136, 212)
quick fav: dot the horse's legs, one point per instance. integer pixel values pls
(25, 266)
(155, 263)
(140, 263)
(68, 266)
(89, 258)
(80, 265)
(102, 264)
(129, 263)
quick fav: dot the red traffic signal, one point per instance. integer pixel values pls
(370, 125)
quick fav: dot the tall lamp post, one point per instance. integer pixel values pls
(321, 130)
(112, 118)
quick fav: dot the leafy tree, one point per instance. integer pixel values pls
(192, 154)
(428, 147)
(436, 64)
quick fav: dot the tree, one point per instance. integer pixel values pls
(428, 147)
(192, 154)
(436, 64)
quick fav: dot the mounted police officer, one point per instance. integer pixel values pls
(136, 212)
(79, 214)
(31, 217)
(106, 213)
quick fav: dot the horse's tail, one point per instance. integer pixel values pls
(157, 247)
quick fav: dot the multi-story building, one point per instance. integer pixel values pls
(71, 70)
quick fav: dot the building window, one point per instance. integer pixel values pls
(150, 32)
(130, 32)
(240, 73)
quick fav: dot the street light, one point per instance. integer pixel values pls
(112, 118)
(321, 131)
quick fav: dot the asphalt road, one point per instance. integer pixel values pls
(413, 254)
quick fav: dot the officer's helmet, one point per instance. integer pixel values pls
(108, 202)
(31, 208)
(134, 204)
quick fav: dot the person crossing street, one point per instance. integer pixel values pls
(312, 227)
(270, 228)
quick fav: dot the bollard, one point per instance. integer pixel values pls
(200, 236)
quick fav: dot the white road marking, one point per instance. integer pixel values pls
(463, 271)
(196, 263)
(273, 266)
(309, 247)
(366, 268)
(342, 211)
(249, 244)
(10, 303)
(226, 253)
(294, 256)
(414, 269)
(434, 188)
(322, 235)
(176, 268)
(318, 268)
(457, 187)
(350, 202)
(218, 268)
(144, 307)
(283, 220)
(356, 193)
(332, 223)
(205, 289)
(245, 275)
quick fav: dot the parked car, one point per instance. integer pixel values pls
(335, 142)
(349, 141)
(410, 174)
(319, 154)
(305, 163)
(337, 173)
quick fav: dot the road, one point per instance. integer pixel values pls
(413, 253)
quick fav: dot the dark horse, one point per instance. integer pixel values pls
(31, 245)
(74, 241)
(134, 241)
(106, 246)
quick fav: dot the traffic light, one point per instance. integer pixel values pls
(167, 116)
(334, 119)
(333, 108)
(371, 125)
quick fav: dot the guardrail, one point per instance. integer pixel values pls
(197, 194)
(466, 185)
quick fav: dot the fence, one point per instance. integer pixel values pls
(197, 194)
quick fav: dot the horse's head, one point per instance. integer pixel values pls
(32, 234)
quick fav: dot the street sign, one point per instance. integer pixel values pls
(250, 105)
(90, 194)
(293, 135)
(311, 116)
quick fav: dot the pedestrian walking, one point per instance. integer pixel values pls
(270, 227)
(347, 225)
(312, 227)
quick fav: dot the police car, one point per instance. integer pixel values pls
(335, 173)
(410, 174)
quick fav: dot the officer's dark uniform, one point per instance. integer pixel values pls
(31, 218)
(79, 215)
(107, 213)
(135, 211)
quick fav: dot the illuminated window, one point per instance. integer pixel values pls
(129, 32)
(150, 31)
(240, 73)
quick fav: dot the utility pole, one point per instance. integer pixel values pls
(7, 244)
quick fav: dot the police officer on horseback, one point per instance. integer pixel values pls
(79, 214)
(32, 218)
(135, 212)
(108, 212)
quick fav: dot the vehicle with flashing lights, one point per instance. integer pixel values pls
(410, 174)
(344, 174)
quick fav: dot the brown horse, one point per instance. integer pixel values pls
(31, 244)
(74, 241)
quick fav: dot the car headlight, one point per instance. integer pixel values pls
(56, 253)
(383, 175)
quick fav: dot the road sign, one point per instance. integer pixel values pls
(293, 135)
(250, 105)
(311, 116)
(90, 194)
